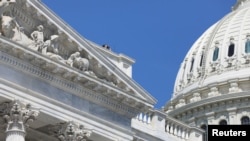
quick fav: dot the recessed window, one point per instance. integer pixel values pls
(216, 54)
(247, 46)
(230, 50)
(204, 127)
(223, 122)
(201, 59)
(245, 120)
(192, 65)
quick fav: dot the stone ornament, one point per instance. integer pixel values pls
(214, 92)
(70, 131)
(234, 88)
(76, 61)
(38, 38)
(18, 112)
(196, 97)
(181, 103)
(17, 117)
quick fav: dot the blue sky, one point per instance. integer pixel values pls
(156, 33)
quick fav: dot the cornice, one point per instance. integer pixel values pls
(210, 101)
(69, 80)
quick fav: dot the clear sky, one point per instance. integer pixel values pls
(156, 33)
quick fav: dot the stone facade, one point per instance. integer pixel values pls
(56, 85)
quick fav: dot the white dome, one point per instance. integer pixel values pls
(203, 66)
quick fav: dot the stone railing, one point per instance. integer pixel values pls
(159, 126)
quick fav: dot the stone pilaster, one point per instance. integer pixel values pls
(232, 116)
(17, 116)
(210, 118)
(71, 132)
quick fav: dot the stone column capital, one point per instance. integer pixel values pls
(17, 111)
(17, 115)
(71, 131)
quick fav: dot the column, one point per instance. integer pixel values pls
(17, 116)
(70, 131)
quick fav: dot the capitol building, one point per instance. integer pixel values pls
(56, 85)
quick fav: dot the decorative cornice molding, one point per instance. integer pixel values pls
(224, 100)
(67, 85)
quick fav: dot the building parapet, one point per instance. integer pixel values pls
(159, 126)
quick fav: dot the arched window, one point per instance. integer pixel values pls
(230, 50)
(216, 54)
(204, 136)
(204, 127)
(192, 65)
(245, 120)
(247, 46)
(223, 122)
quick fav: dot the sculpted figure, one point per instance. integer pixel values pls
(50, 48)
(72, 58)
(75, 60)
(52, 45)
(38, 38)
(10, 29)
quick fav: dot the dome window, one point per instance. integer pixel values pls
(245, 120)
(192, 65)
(223, 122)
(247, 44)
(230, 50)
(201, 59)
(216, 54)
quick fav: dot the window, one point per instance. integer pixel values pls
(247, 46)
(230, 50)
(223, 122)
(245, 120)
(216, 54)
(204, 136)
(192, 65)
(201, 60)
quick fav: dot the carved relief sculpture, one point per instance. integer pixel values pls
(50, 48)
(38, 38)
(76, 61)
(10, 29)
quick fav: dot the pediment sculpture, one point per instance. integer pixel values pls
(31, 30)
(10, 29)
